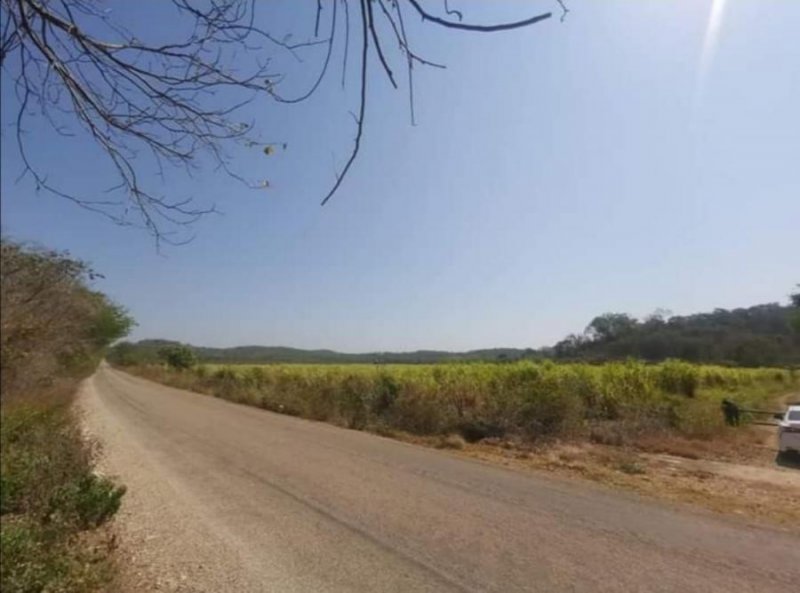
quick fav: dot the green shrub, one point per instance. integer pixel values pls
(354, 401)
(386, 392)
(37, 559)
(179, 357)
(48, 496)
(95, 499)
(678, 377)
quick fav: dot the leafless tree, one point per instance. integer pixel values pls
(71, 61)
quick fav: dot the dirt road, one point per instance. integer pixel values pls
(231, 498)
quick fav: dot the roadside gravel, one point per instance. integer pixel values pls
(165, 543)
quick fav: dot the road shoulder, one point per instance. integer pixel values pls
(157, 512)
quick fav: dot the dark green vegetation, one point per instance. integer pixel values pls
(50, 502)
(613, 403)
(148, 351)
(178, 357)
(55, 329)
(796, 316)
(763, 335)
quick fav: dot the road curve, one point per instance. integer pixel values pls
(226, 497)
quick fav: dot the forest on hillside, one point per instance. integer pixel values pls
(762, 335)
(149, 351)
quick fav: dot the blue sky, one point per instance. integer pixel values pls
(556, 172)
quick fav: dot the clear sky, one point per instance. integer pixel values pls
(638, 155)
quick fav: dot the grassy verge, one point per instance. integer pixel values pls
(51, 501)
(614, 404)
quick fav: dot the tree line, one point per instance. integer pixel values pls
(176, 355)
(762, 335)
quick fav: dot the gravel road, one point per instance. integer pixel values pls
(225, 497)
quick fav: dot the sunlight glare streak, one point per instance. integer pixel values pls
(710, 43)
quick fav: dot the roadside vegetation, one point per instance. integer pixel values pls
(55, 329)
(620, 403)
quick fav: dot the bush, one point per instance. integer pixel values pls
(679, 377)
(37, 559)
(417, 410)
(54, 325)
(477, 430)
(386, 392)
(48, 496)
(354, 397)
(178, 357)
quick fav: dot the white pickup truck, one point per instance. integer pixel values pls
(789, 430)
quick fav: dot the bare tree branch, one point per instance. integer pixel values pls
(378, 49)
(362, 103)
(481, 28)
(404, 43)
(457, 13)
(564, 9)
(133, 98)
(346, 40)
(150, 106)
(322, 73)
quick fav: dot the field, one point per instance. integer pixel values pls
(613, 403)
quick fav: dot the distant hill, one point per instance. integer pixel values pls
(762, 335)
(147, 350)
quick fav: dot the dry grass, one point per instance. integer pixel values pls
(451, 441)
(664, 478)
(689, 479)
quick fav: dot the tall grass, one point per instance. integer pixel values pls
(530, 400)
